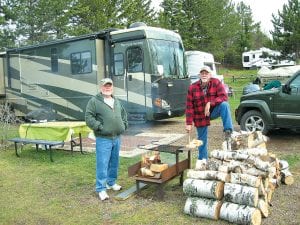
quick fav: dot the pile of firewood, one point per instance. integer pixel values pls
(151, 165)
(236, 184)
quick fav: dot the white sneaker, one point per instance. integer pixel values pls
(115, 187)
(103, 195)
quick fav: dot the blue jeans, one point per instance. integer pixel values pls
(222, 110)
(107, 162)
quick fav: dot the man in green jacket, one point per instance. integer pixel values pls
(108, 119)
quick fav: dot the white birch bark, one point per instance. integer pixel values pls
(240, 214)
(245, 179)
(203, 207)
(203, 188)
(241, 194)
(208, 175)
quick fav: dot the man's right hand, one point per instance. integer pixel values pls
(188, 128)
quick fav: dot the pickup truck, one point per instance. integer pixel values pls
(271, 109)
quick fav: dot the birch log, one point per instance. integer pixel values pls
(226, 155)
(245, 179)
(203, 188)
(263, 206)
(241, 194)
(286, 177)
(254, 151)
(203, 207)
(208, 175)
(213, 164)
(240, 214)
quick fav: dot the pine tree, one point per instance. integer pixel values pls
(286, 34)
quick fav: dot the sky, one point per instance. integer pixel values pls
(261, 10)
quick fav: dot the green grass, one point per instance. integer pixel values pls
(241, 79)
(35, 191)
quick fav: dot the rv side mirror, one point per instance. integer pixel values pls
(160, 70)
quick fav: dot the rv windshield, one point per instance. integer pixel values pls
(170, 55)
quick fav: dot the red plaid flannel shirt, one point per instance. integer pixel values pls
(197, 99)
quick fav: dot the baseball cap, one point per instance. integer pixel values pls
(206, 68)
(106, 81)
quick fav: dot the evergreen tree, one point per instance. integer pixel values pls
(286, 34)
(7, 34)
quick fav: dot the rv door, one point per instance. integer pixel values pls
(129, 79)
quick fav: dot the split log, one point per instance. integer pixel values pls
(286, 177)
(203, 207)
(146, 172)
(158, 167)
(194, 144)
(240, 214)
(208, 175)
(203, 188)
(240, 194)
(263, 206)
(257, 139)
(245, 179)
(270, 191)
(262, 190)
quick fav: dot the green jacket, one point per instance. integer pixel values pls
(103, 120)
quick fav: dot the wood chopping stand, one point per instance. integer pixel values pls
(166, 175)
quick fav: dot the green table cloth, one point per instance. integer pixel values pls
(54, 131)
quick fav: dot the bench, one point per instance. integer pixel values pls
(47, 144)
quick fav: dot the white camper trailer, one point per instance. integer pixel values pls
(264, 57)
(196, 60)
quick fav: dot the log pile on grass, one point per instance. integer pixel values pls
(237, 184)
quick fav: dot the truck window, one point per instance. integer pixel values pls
(295, 85)
(118, 64)
(81, 62)
(135, 60)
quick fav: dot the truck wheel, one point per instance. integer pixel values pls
(253, 121)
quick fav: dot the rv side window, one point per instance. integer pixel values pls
(135, 60)
(54, 60)
(81, 62)
(119, 64)
(246, 59)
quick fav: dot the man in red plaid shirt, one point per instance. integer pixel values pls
(206, 100)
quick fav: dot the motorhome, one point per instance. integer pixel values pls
(264, 57)
(146, 64)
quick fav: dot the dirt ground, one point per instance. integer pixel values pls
(284, 143)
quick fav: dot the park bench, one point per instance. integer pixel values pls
(47, 144)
